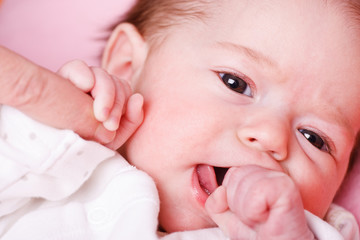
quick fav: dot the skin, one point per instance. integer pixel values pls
(43, 94)
(252, 203)
(114, 106)
(257, 203)
(192, 119)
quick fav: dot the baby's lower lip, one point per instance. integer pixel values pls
(204, 182)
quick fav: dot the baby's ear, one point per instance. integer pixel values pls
(125, 52)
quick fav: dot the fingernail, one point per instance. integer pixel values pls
(102, 114)
(105, 114)
(112, 124)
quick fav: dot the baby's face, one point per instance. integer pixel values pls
(272, 83)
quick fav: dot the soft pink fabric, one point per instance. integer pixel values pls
(52, 32)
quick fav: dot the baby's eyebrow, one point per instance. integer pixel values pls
(340, 120)
(335, 115)
(254, 55)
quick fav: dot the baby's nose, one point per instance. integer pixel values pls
(268, 136)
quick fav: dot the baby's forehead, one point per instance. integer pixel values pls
(348, 8)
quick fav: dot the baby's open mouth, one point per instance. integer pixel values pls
(210, 177)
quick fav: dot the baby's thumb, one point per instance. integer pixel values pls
(217, 207)
(217, 201)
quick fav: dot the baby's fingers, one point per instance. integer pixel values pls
(103, 94)
(253, 191)
(130, 121)
(79, 74)
(122, 93)
(228, 222)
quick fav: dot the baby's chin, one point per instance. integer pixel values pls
(184, 222)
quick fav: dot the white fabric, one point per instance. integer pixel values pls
(55, 185)
(343, 221)
(321, 229)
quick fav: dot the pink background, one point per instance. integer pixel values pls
(52, 32)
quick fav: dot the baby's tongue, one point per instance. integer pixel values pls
(207, 178)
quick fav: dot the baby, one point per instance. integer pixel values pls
(233, 83)
(242, 85)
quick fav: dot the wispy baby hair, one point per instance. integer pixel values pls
(152, 16)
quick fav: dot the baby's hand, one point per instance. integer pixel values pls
(115, 106)
(258, 203)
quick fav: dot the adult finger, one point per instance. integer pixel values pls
(47, 97)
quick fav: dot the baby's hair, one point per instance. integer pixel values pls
(353, 7)
(151, 17)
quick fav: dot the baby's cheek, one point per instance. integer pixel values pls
(317, 199)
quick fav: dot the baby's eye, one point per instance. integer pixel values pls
(236, 84)
(315, 140)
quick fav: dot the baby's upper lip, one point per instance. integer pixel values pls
(210, 177)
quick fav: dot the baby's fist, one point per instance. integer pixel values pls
(119, 110)
(258, 203)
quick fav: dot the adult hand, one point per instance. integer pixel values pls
(47, 97)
